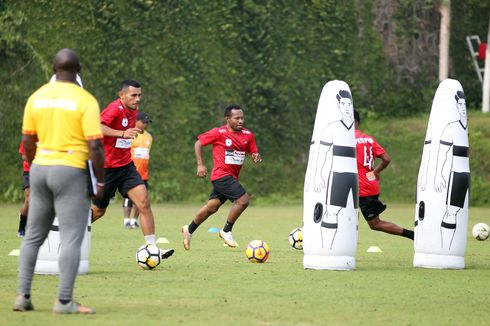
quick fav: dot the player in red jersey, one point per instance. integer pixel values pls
(367, 150)
(118, 122)
(27, 188)
(231, 142)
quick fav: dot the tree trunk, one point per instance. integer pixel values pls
(445, 31)
(486, 76)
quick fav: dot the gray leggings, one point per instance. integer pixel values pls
(61, 191)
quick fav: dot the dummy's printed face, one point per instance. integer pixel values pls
(345, 106)
(235, 120)
(130, 97)
(461, 105)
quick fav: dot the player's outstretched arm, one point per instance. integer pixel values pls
(201, 170)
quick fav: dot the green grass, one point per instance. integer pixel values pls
(215, 285)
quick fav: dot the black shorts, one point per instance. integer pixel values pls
(123, 179)
(128, 202)
(371, 207)
(227, 188)
(25, 180)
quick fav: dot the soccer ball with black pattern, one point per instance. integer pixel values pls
(481, 231)
(148, 256)
(296, 238)
(257, 251)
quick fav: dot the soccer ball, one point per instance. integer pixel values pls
(296, 238)
(257, 251)
(481, 231)
(148, 256)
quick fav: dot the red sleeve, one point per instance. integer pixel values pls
(253, 145)
(208, 137)
(378, 150)
(109, 114)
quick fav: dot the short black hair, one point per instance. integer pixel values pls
(229, 108)
(357, 118)
(343, 94)
(459, 95)
(129, 82)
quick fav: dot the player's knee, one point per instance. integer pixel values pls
(375, 224)
(244, 201)
(211, 208)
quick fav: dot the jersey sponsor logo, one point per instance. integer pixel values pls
(54, 104)
(142, 153)
(123, 143)
(228, 142)
(124, 122)
(234, 157)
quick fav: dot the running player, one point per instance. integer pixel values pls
(367, 151)
(118, 122)
(231, 142)
(26, 187)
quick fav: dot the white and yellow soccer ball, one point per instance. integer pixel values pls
(148, 256)
(481, 231)
(296, 238)
(257, 251)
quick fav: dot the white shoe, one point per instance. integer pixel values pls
(187, 237)
(227, 238)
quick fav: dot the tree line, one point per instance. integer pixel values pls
(195, 57)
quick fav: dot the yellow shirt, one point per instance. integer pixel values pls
(140, 153)
(64, 117)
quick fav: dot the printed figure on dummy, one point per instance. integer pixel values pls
(450, 175)
(331, 174)
(441, 214)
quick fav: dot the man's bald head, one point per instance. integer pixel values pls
(66, 65)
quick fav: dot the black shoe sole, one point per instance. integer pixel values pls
(168, 253)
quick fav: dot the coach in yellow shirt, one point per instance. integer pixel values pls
(60, 131)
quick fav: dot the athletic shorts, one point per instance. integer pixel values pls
(371, 207)
(123, 179)
(227, 188)
(25, 180)
(128, 202)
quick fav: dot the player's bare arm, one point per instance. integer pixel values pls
(385, 160)
(201, 170)
(129, 133)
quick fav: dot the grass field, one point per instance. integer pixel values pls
(215, 285)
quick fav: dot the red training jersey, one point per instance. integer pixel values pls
(229, 150)
(367, 150)
(23, 152)
(117, 150)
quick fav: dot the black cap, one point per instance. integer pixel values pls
(143, 116)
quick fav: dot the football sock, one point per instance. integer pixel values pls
(22, 222)
(192, 227)
(132, 221)
(408, 234)
(228, 226)
(63, 301)
(150, 239)
(27, 296)
(126, 220)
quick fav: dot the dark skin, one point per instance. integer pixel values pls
(234, 122)
(66, 66)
